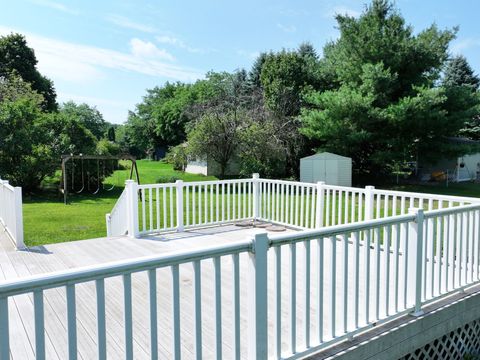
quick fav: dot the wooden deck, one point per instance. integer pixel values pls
(49, 258)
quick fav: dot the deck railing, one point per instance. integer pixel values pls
(342, 279)
(11, 214)
(181, 205)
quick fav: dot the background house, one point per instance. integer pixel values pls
(458, 169)
(209, 167)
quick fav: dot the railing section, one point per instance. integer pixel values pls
(11, 214)
(177, 206)
(307, 289)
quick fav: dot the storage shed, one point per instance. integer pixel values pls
(331, 168)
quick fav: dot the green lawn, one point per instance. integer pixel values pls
(468, 189)
(47, 220)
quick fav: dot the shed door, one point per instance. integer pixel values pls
(318, 170)
(331, 172)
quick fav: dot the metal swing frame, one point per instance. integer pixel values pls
(98, 158)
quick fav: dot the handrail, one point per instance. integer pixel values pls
(427, 195)
(115, 268)
(277, 240)
(11, 212)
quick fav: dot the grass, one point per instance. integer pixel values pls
(468, 189)
(47, 220)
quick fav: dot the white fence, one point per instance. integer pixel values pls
(342, 279)
(11, 214)
(177, 206)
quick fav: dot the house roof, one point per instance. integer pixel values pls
(325, 156)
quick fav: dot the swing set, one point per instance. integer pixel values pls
(91, 176)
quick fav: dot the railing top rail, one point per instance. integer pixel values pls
(451, 211)
(427, 195)
(195, 183)
(287, 182)
(121, 198)
(345, 188)
(5, 184)
(90, 273)
(155, 186)
(208, 182)
(277, 240)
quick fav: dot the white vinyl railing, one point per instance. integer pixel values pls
(181, 205)
(342, 280)
(11, 214)
(117, 219)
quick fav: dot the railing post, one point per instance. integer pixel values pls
(132, 212)
(320, 204)
(256, 195)
(257, 302)
(18, 218)
(179, 192)
(108, 222)
(415, 256)
(369, 200)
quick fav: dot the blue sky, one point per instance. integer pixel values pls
(106, 53)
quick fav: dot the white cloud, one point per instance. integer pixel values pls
(129, 24)
(112, 110)
(464, 44)
(55, 5)
(342, 10)
(252, 55)
(82, 63)
(172, 40)
(146, 49)
(287, 28)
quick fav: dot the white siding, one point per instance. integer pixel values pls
(197, 167)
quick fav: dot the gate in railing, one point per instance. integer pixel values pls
(342, 279)
(11, 214)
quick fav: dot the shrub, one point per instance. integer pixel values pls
(177, 156)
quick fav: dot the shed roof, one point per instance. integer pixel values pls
(325, 156)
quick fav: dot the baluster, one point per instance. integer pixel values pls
(197, 307)
(101, 328)
(152, 286)
(218, 307)
(5, 336)
(71, 322)
(236, 306)
(278, 302)
(127, 304)
(39, 325)
(176, 312)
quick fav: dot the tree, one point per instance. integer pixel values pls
(164, 113)
(463, 100)
(254, 76)
(17, 57)
(384, 108)
(215, 132)
(283, 79)
(458, 72)
(86, 115)
(111, 134)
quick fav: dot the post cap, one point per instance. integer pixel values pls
(256, 175)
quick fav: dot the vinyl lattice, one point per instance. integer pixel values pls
(461, 343)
